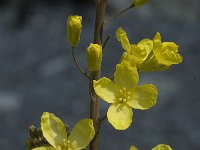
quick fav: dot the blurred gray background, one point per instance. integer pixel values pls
(37, 73)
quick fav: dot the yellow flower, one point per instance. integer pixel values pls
(74, 28)
(94, 57)
(149, 55)
(55, 133)
(162, 147)
(163, 55)
(158, 147)
(134, 54)
(124, 94)
(133, 148)
(138, 3)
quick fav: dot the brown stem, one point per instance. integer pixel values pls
(94, 101)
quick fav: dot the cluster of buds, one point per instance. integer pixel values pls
(36, 138)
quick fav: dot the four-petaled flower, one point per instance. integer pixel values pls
(125, 94)
(55, 133)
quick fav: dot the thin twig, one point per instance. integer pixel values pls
(77, 64)
(106, 41)
(118, 14)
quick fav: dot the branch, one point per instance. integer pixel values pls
(77, 64)
(118, 14)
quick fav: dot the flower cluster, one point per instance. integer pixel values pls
(149, 55)
(124, 94)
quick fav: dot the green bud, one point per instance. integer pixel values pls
(33, 132)
(74, 28)
(94, 57)
(138, 3)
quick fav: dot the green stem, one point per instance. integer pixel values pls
(77, 64)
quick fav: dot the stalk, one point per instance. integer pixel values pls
(94, 101)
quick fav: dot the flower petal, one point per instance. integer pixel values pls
(162, 147)
(133, 148)
(157, 37)
(82, 133)
(151, 64)
(126, 75)
(44, 148)
(122, 37)
(120, 116)
(53, 129)
(106, 89)
(144, 97)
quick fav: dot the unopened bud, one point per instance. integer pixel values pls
(94, 57)
(138, 3)
(74, 28)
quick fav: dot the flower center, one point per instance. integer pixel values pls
(124, 95)
(68, 145)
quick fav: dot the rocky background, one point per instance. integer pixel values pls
(37, 73)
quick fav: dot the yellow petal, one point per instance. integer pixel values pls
(144, 97)
(126, 76)
(151, 64)
(157, 37)
(146, 46)
(82, 133)
(106, 89)
(131, 59)
(122, 37)
(133, 148)
(44, 148)
(53, 129)
(120, 116)
(162, 147)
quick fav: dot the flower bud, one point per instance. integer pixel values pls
(74, 28)
(94, 57)
(138, 3)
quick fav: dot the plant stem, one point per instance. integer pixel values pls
(94, 101)
(77, 64)
(106, 41)
(118, 14)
